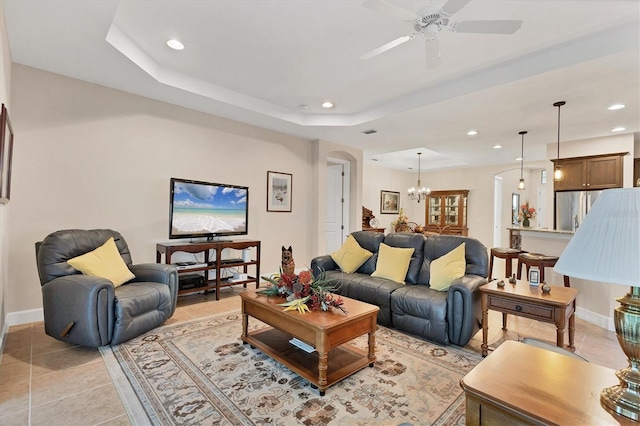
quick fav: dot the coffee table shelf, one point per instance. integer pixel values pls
(328, 332)
(345, 359)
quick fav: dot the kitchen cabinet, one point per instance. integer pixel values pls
(636, 172)
(590, 173)
(446, 212)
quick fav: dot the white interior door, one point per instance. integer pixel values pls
(497, 211)
(336, 228)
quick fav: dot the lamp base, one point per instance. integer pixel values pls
(624, 399)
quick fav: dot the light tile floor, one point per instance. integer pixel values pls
(47, 382)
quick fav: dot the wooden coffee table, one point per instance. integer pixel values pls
(557, 307)
(328, 332)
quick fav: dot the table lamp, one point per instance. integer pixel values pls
(606, 248)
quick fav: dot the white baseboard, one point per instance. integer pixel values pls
(24, 317)
(595, 319)
(18, 318)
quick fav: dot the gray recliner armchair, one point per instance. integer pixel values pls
(90, 311)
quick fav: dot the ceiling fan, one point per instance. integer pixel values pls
(429, 24)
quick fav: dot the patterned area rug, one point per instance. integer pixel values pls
(200, 373)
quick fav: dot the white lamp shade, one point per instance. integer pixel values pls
(606, 247)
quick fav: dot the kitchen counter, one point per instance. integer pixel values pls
(517, 232)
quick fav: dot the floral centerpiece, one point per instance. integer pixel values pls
(401, 224)
(303, 291)
(526, 213)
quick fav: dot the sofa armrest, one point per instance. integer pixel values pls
(79, 309)
(463, 308)
(323, 263)
(158, 273)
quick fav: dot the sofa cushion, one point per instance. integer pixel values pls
(407, 240)
(365, 288)
(104, 262)
(447, 268)
(438, 245)
(350, 256)
(420, 310)
(370, 241)
(393, 263)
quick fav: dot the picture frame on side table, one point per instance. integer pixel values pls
(534, 276)
(279, 192)
(6, 155)
(389, 202)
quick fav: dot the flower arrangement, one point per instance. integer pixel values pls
(402, 219)
(526, 212)
(303, 292)
(401, 224)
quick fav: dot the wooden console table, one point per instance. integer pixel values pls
(557, 307)
(216, 264)
(520, 384)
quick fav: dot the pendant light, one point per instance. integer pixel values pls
(521, 183)
(558, 174)
(422, 192)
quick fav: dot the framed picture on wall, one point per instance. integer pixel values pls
(389, 202)
(279, 191)
(6, 154)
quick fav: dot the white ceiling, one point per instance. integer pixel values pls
(258, 62)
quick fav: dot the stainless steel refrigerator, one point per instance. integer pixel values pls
(571, 208)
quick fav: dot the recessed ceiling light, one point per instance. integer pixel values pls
(618, 129)
(303, 106)
(175, 44)
(472, 132)
(497, 146)
(327, 104)
(519, 159)
(615, 107)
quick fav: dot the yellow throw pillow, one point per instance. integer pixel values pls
(393, 263)
(445, 269)
(104, 262)
(350, 256)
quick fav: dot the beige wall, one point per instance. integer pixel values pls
(5, 92)
(90, 157)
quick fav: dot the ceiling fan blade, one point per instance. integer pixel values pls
(452, 6)
(387, 46)
(390, 9)
(432, 53)
(486, 27)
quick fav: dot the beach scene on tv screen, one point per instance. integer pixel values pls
(208, 209)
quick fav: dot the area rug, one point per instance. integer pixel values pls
(200, 373)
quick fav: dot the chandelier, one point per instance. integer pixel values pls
(421, 192)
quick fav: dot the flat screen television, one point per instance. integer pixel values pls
(205, 209)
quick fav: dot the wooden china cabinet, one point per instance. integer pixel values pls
(446, 212)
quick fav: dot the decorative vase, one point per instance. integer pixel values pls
(525, 222)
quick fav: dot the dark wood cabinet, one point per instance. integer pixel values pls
(213, 261)
(636, 172)
(446, 212)
(590, 173)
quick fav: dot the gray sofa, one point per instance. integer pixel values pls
(88, 310)
(447, 317)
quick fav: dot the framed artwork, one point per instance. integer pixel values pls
(389, 202)
(533, 276)
(279, 191)
(6, 154)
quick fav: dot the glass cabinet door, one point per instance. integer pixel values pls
(434, 210)
(451, 203)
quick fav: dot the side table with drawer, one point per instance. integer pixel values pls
(521, 299)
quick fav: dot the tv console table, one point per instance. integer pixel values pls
(216, 264)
